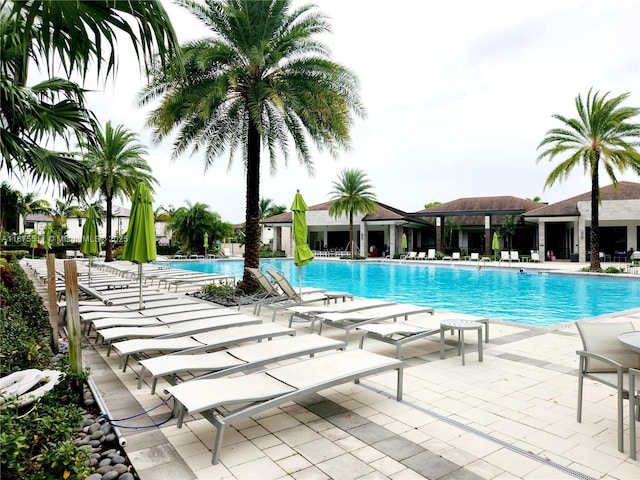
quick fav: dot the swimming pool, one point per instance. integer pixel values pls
(536, 298)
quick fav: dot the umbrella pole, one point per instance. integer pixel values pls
(90, 257)
(140, 307)
(300, 282)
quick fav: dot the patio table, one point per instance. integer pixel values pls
(461, 326)
(631, 340)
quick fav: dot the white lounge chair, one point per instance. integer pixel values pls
(310, 313)
(535, 256)
(270, 293)
(261, 391)
(401, 333)
(421, 256)
(475, 256)
(190, 327)
(132, 304)
(431, 255)
(233, 360)
(200, 342)
(197, 280)
(176, 316)
(504, 256)
(106, 319)
(514, 256)
(411, 256)
(349, 321)
(295, 298)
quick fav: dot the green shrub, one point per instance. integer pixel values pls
(614, 270)
(266, 252)
(36, 441)
(38, 444)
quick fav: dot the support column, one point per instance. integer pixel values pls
(581, 232)
(542, 248)
(393, 240)
(487, 235)
(439, 234)
(364, 240)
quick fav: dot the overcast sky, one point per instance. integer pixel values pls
(458, 94)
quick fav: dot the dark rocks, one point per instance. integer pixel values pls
(106, 458)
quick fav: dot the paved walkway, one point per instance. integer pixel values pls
(511, 416)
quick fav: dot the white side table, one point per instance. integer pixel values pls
(461, 326)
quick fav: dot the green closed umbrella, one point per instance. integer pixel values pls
(403, 242)
(46, 243)
(495, 243)
(34, 242)
(206, 243)
(140, 246)
(90, 244)
(302, 254)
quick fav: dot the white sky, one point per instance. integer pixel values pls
(458, 94)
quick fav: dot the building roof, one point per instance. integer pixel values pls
(470, 211)
(480, 206)
(38, 217)
(383, 213)
(569, 207)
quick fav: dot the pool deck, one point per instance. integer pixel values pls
(511, 416)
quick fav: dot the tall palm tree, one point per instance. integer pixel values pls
(353, 195)
(115, 166)
(262, 79)
(66, 36)
(603, 134)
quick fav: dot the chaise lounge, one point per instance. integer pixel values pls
(200, 342)
(352, 320)
(226, 400)
(233, 360)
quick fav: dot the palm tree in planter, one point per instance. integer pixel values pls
(262, 80)
(115, 167)
(601, 137)
(353, 195)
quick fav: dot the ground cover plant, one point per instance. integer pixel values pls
(36, 440)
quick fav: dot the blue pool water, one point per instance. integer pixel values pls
(539, 299)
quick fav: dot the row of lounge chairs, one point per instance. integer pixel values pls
(176, 334)
(178, 337)
(505, 256)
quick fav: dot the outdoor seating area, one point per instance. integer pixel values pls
(267, 386)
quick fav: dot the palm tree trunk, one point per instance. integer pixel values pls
(351, 234)
(252, 226)
(595, 222)
(108, 249)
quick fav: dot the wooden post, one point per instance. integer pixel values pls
(73, 316)
(53, 307)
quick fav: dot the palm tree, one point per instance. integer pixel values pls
(53, 108)
(68, 36)
(508, 229)
(601, 134)
(352, 194)
(28, 204)
(262, 79)
(269, 209)
(190, 224)
(115, 168)
(60, 211)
